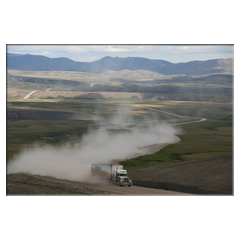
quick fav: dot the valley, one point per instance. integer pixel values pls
(61, 109)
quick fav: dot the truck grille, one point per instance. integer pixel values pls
(125, 179)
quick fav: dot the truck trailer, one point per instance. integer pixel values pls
(114, 173)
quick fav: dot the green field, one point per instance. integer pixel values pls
(26, 133)
(211, 138)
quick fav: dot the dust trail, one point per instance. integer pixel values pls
(73, 162)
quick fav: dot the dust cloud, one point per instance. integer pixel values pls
(73, 162)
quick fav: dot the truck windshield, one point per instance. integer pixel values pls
(122, 174)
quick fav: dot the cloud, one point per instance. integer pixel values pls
(45, 53)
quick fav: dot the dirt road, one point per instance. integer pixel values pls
(25, 184)
(179, 116)
(26, 97)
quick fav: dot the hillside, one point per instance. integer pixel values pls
(64, 84)
(139, 74)
(29, 62)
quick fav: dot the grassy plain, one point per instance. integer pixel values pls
(212, 138)
(26, 133)
(200, 140)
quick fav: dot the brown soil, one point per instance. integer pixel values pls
(25, 184)
(17, 93)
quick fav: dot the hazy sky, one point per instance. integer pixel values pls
(88, 53)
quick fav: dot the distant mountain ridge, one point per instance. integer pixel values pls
(29, 62)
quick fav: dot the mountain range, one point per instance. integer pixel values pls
(28, 62)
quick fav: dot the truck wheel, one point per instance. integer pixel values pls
(129, 185)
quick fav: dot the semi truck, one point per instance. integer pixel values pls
(114, 173)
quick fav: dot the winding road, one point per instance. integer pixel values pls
(179, 116)
(110, 189)
(26, 97)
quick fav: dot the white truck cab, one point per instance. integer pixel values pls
(115, 173)
(122, 178)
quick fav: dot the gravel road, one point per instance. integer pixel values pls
(27, 184)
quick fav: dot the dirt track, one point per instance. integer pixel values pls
(24, 184)
(212, 176)
(26, 97)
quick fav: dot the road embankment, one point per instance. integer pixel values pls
(213, 176)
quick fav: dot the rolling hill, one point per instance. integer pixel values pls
(29, 62)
